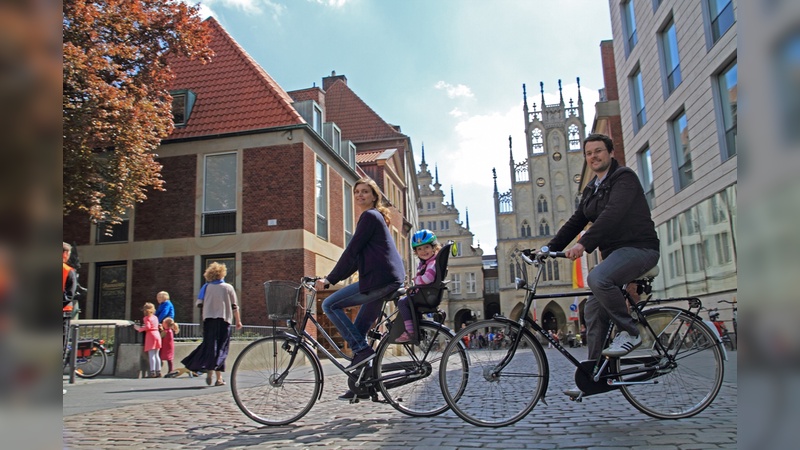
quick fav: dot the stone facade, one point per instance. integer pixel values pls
(463, 301)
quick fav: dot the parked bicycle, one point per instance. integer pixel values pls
(728, 338)
(90, 358)
(276, 380)
(667, 377)
(735, 327)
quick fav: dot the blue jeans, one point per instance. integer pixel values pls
(608, 302)
(355, 333)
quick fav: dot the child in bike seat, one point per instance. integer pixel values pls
(426, 248)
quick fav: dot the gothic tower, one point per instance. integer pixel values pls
(544, 191)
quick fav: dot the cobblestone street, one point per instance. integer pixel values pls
(184, 413)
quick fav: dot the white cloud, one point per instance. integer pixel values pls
(333, 3)
(458, 90)
(247, 6)
(455, 112)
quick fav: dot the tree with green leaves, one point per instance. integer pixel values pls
(116, 103)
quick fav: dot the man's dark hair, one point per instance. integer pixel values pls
(599, 137)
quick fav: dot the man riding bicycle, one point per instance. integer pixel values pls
(622, 228)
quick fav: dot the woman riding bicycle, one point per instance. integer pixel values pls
(373, 253)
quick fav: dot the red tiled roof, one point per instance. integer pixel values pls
(366, 157)
(357, 121)
(233, 92)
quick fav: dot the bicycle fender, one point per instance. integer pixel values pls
(715, 332)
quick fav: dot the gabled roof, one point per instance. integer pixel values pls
(358, 122)
(233, 92)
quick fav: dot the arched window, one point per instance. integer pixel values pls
(550, 271)
(525, 230)
(544, 228)
(542, 205)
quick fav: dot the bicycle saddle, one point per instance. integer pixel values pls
(652, 273)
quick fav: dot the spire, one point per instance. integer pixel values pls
(467, 219)
(560, 95)
(494, 175)
(510, 151)
(423, 153)
(541, 88)
(580, 99)
(437, 173)
(525, 100)
(452, 199)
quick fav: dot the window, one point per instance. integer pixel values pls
(629, 26)
(682, 150)
(110, 233)
(542, 204)
(348, 213)
(550, 270)
(536, 141)
(676, 264)
(512, 271)
(458, 248)
(445, 224)
(721, 12)
(646, 169)
(316, 119)
(491, 285)
(111, 285)
(696, 258)
(179, 109)
(182, 103)
(574, 138)
(525, 230)
(728, 90)
(672, 62)
(471, 282)
(455, 284)
(723, 244)
(637, 92)
(544, 228)
(219, 194)
(321, 184)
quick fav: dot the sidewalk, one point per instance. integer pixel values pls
(185, 413)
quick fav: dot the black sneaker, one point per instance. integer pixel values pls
(350, 395)
(361, 358)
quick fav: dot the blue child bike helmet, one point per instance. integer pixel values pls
(423, 237)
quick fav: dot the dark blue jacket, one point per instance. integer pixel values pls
(373, 253)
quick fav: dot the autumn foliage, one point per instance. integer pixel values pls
(117, 107)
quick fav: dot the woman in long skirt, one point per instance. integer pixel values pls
(218, 301)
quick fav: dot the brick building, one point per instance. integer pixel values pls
(252, 179)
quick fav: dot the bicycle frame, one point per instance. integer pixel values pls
(597, 373)
(301, 336)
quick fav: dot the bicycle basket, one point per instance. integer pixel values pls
(283, 299)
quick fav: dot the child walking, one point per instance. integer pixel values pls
(167, 353)
(425, 247)
(152, 338)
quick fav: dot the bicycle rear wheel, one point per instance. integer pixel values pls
(682, 382)
(485, 398)
(91, 365)
(275, 381)
(411, 372)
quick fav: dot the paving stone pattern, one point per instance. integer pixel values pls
(207, 418)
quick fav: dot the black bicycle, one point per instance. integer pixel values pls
(676, 372)
(276, 380)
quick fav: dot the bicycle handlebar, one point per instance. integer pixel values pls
(308, 282)
(540, 255)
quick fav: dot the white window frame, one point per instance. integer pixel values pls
(455, 284)
(471, 283)
(321, 198)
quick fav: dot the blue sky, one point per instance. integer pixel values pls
(449, 72)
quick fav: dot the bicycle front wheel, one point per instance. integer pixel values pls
(480, 392)
(91, 365)
(409, 373)
(275, 381)
(679, 381)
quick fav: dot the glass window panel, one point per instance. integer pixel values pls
(683, 156)
(728, 90)
(639, 109)
(321, 199)
(669, 41)
(721, 17)
(629, 19)
(646, 171)
(220, 183)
